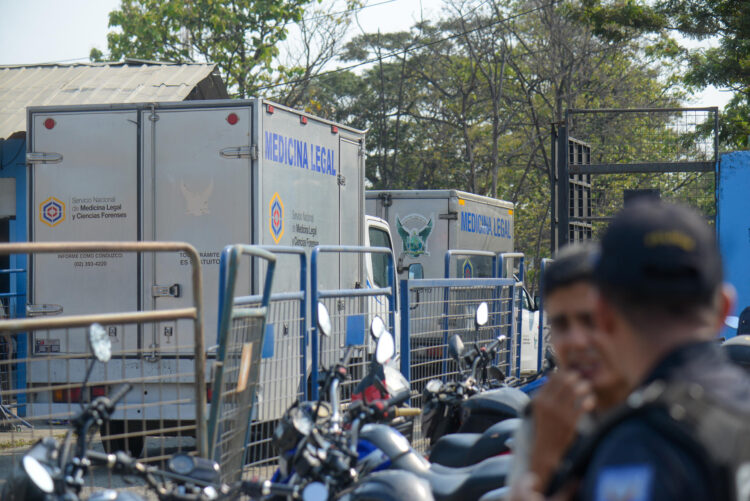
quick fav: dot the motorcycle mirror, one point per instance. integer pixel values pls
(38, 474)
(732, 321)
(324, 320)
(482, 315)
(101, 346)
(455, 346)
(315, 491)
(385, 348)
(377, 327)
(496, 373)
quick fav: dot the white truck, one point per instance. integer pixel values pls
(210, 173)
(431, 222)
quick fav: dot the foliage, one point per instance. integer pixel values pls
(725, 66)
(240, 36)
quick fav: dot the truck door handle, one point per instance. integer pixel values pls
(174, 290)
(40, 310)
(239, 152)
(43, 158)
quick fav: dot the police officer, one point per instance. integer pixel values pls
(584, 387)
(684, 432)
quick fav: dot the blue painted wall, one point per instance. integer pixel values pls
(733, 222)
(13, 165)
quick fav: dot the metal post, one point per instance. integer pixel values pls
(405, 343)
(563, 178)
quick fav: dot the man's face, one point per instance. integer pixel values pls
(571, 313)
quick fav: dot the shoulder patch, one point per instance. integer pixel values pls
(624, 483)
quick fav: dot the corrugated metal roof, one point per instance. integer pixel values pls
(93, 83)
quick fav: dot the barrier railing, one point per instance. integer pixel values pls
(435, 309)
(162, 414)
(284, 358)
(351, 312)
(238, 364)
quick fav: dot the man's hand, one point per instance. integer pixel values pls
(556, 410)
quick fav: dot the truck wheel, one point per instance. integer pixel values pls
(133, 445)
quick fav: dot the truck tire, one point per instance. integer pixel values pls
(132, 445)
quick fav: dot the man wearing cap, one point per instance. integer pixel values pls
(684, 432)
(584, 388)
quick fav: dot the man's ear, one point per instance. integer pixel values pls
(605, 315)
(727, 300)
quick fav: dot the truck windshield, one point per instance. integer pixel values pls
(379, 238)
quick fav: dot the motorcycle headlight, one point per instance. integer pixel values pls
(433, 386)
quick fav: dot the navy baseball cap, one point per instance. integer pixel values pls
(660, 253)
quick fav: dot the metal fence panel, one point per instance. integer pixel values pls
(435, 309)
(283, 365)
(162, 414)
(351, 312)
(237, 367)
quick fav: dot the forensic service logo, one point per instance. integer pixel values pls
(52, 212)
(276, 221)
(468, 269)
(414, 230)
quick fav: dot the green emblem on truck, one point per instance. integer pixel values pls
(414, 236)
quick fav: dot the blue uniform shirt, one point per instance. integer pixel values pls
(635, 462)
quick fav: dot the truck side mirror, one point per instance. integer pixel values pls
(537, 301)
(416, 271)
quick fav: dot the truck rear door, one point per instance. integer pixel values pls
(84, 187)
(197, 175)
(351, 203)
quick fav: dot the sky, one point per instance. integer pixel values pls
(65, 31)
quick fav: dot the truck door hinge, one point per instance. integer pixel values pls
(174, 290)
(43, 158)
(341, 180)
(448, 215)
(240, 152)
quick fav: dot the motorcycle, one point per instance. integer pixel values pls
(354, 454)
(462, 449)
(479, 399)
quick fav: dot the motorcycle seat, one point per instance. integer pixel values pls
(505, 402)
(461, 449)
(470, 482)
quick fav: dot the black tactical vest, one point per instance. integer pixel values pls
(716, 437)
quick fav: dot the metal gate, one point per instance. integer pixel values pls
(284, 358)
(238, 363)
(435, 309)
(351, 312)
(605, 158)
(164, 411)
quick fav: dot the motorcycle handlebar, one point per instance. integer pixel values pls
(266, 488)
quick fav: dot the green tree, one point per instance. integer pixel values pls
(240, 36)
(726, 65)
